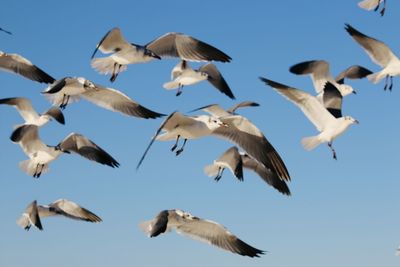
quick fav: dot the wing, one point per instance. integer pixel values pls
(172, 121)
(309, 104)
(216, 79)
(115, 100)
(246, 135)
(23, 105)
(30, 216)
(113, 41)
(269, 176)
(28, 138)
(86, 148)
(186, 47)
(156, 226)
(243, 104)
(213, 109)
(56, 114)
(378, 51)
(74, 211)
(20, 65)
(332, 99)
(318, 69)
(215, 234)
(232, 158)
(369, 4)
(352, 72)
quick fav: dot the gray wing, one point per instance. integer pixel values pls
(309, 104)
(217, 235)
(23, 105)
(173, 120)
(318, 69)
(20, 65)
(30, 216)
(216, 79)
(74, 211)
(243, 104)
(269, 176)
(378, 51)
(332, 99)
(246, 135)
(186, 47)
(56, 114)
(115, 100)
(28, 138)
(352, 72)
(213, 109)
(113, 41)
(57, 86)
(232, 158)
(86, 148)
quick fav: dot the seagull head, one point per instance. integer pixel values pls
(214, 122)
(347, 89)
(351, 120)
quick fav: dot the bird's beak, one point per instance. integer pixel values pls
(354, 92)
(356, 121)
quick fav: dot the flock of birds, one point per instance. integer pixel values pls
(251, 150)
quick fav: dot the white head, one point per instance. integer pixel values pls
(211, 121)
(346, 89)
(184, 214)
(350, 120)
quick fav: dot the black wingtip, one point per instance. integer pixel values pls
(18, 133)
(272, 83)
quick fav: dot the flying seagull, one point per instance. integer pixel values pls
(171, 44)
(380, 54)
(183, 75)
(1, 29)
(203, 230)
(329, 126)
(25, 109)
(33, 213)
(234, 128)
(20, 65)
(373, 4)
(69, 89)
(41, 155)
(235, 161)
(320, 74)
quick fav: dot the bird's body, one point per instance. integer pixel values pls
(327, 124)
(203, 230)
(61, 207)
(373, 5)
(41, 155)
(380, 54)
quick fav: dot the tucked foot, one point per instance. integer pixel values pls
(179, 151)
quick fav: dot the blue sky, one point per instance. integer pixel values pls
(341, 212)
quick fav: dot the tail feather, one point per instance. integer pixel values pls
(171, 85)
(31, 168)
(211, 170)
(146, 227)
(368, 4)
(309, 143)
(106, 65)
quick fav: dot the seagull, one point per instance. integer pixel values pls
(234, 128)
(69, 89)
(320, 74)
(373, 4)
(329, 126)
(25, 109)
(379, 53)
(33, 213)
(1, 29)
(203, 230)
(41, 155)
(171, 44)
(236, 161)
(182, 75)
(20, 65)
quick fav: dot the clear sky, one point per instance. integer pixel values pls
(341, 213)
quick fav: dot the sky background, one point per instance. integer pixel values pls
(341, 213)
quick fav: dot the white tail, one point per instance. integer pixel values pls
(368, 4)
(376, 77)
(106, 65)
(31, 167)
(171, 85)
(309, 143)
(211, 170)
(146, 226)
